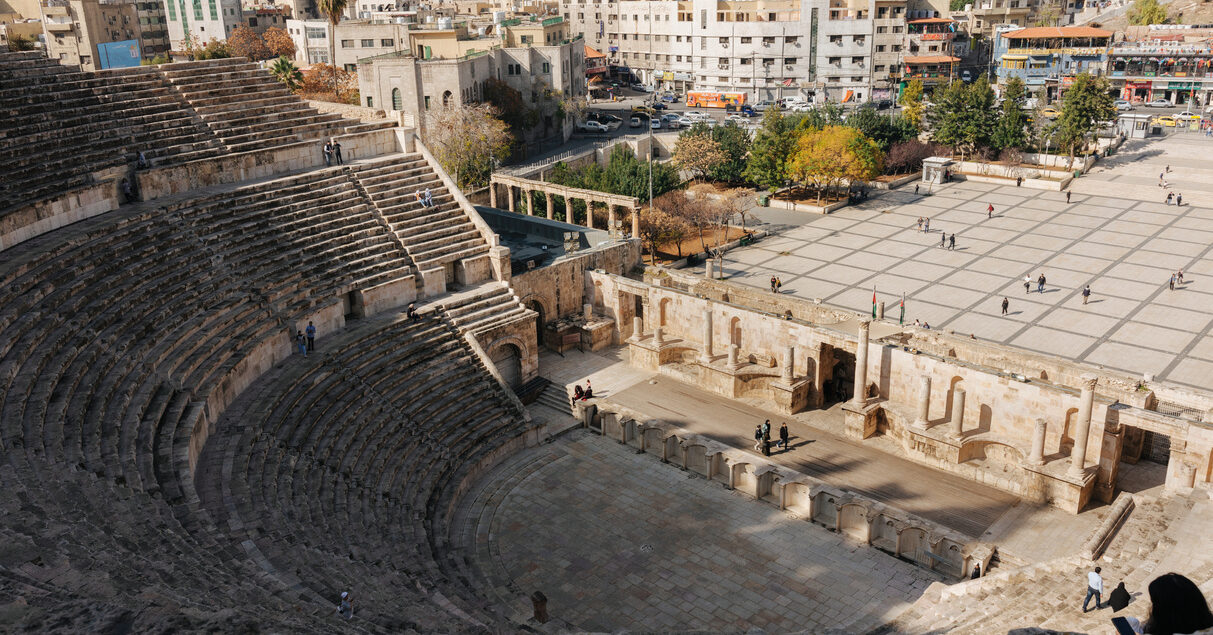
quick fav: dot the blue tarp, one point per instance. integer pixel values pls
(122, 54)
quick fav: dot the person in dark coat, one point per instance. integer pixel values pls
(1119, 597)
(783, 436)
(757, 437)
(578, 394)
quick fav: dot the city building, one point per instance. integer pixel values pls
(887, 44)
(928, 52)
(93, 34)
(14, 25)
(1169, 63)
(444, 67)
(355, 39)
(980, 17)
(1048, 58)
(269, 16)
(153, 27)
(202, 20)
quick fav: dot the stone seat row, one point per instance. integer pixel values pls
(497, 305)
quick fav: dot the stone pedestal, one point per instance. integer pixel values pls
(859, 420)
(791, 397)
(596, 334)
(1037, 457)
(924, 402)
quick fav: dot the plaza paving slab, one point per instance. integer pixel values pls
(617, 540)
(1117, 237)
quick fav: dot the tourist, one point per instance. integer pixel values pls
(589, 391)
(766, 445)
(952, 242)
(311, 337)
(337, 153)
(920, 224)
(411, 312)
(1086, 293)
(990, 211)
(1040, 284)
(976, 572)
(578, 394)
(302, 342)
(1006, 304)
(1168, 170)
(1176, 606)
(943, 239)
(128, 190)
(1068, 193)
(429, 198)
(1170, 197)
(773, 284)
(1119, 597)
(778, 285)
(1027, 284)
(143, 164)
(1094, 588)
(328, 154)
(1171, 283)
(766, 429)
(783, 435)
(1179, 277)
(926, 225)
(419, 197)
(1179, 200)
(916, 188)
(346, 607)
(1018, 181)
(926, 325)
(758, 437)
(917, 323)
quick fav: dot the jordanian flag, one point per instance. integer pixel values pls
(902, 319)
(873, 302)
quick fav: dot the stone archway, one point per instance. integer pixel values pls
(507, 357)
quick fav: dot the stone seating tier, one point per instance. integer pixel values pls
(493, 304)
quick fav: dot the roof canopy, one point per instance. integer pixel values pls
(931, 59)
(1057, 31)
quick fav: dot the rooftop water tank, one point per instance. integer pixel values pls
(446, 23)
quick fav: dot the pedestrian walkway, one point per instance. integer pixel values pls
(1126, 249)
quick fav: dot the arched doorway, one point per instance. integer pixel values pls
(397, 103)
(508, 360)
(540, 321)
(446, 99)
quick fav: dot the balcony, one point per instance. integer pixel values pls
(59, 27)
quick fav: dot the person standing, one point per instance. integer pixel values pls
(1068, 192)
(758, 437)
(916, 188)
(1086, 293)
(943, 239)
(1094, 588)
(1027, 284)
(1118, 599)
(311, 337)
(766, 445)
(346, 607)
(783, 435)
(772, 284)
(990, 211)
(926, 225)
(919, 226)
(766, 429)
(1006, 304)
(337, 153)
(1171, 283)
(778, 285)
(302, 342)
(1179, 200)
(328, 154)
(1179, 277)
(1040, 284)
(952, 242)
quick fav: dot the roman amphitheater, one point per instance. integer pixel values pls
(172, 462)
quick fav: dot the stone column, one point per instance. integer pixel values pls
(706, 357)
(708, 266)
(861, 364)
(530, 202)
(733, 352)
(551, 208)
(789, 353)
(924, 402)
(1038, 443)
(610, 217)
(636, 223)
(658, 336)
(1082, 427)
(587, 311)
(589, 213)
(637, 327)
(958, 411)
(492, 194)
(509, 190)
(880, 310)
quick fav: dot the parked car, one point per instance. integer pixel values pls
(966, 75)
(635, 122)
(1050, 112)
(801, 106)
(763, 105)
(669, 98)
(686, 122)
(1166, 120)
(1187, 115)
(642, 88)
(1123, 106)
(655, 124)
(610, 121)
(592, 126)
(642, 110)
(737, 119)
(695, 115)
(1158, 103)
(884, 104)
(659, 106)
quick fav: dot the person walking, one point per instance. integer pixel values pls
(1179, 200)
(778, 285)
(302, 342)
(990, 211)
(1068, 193)
(943, 239)
(766, 429)
(952, 242)
(916, 188)
(1171, 283)
(758, 437)
(766, 445)
(1027, 284)
(328, 154)
(311, 337)
(1179, 277)
(1006, 304)
(1094, 589)
(337, 153)
(772, 284)
(1118, 599)
(1040, 284)
(919, 226)
(926, 225)
(346, 607)
(1086, 293)
(783, 435)
(1170, 197)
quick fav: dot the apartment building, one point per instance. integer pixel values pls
(204, 20)
(1172, 62)
(94, 34)
(1048, 58)
(355, 40)
(928, 52)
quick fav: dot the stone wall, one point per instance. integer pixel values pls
(50, 214)
(560, 289)
(349, 111)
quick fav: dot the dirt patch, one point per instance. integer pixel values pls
(808, 196)
(690, 245)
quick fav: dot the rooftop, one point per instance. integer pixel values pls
(1057, 31)
(931, 59)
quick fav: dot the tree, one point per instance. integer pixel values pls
(333, 9)
(1011, 129)
(466, 140)
(907, 156)
(284, 70)
(318, 84)
(623, 174)
(697, 153)
(1047, 15)
(911, 103)
(769, 151)
(1145, 12)
(963, 116)
(245, 42)
(279, 42)
(833, 154)
(658, 226)
(213, 50)
(1087, 102)
(160, 58)
(734, 142)
(885, 130)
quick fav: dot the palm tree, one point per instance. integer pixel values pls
(283, 69)
(333, 9)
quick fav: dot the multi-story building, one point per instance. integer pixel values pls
(94, 34)
(981, 16)
(270, 16)
(14, 25)
(888, 42)
(928, 51)
(444, 67)
(202, 20)
(1048, 58)
(153, 25)
(1171, 63)
(355, 39)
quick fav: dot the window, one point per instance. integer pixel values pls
(836, 61)
(882, 29)
(351, 67)
(879, 68)
(743, 61)
(370, 102)
(677, 58)
(547, 68)
(789, 60)
(315, 33)
(880, 48)
(767, 41)
(427, 102)
(513, 69)
(385, 42)
(746, 40)
(724, 41)
(792, 40)
(898, 29)
(835, 39)
(857, 60)
(832, 80)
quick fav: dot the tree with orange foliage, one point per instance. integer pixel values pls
(318, 82)
(245, 42)
(279, 42)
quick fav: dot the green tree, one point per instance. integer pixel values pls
(1011, 129)
(827, 157)
(734, 142)
(284, 70)
(156, 59)
(1144, 12)
(466, 140)
(885, 130)
(334, 10)
(963, 116)
(1087, 102)
(911, 103)
(623, 174)
(772, 144)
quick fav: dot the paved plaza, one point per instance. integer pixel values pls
(639, 545)
(1125, 248)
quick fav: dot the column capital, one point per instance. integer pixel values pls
(1088, 381)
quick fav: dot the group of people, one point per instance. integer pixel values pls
(1176, 278)
(332, 152)
(762, 437)
(1176, 604)
(306, 343)
(582, 394)
(424, 197)
(776, 284)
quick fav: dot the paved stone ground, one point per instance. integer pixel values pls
(617, 540)
(1125, 249)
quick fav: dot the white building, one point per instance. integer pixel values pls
(205, 20)
(355, 40)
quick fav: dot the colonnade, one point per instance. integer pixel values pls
(616, 205)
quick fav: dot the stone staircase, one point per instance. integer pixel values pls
(435, 236)
(62, 129)
(483, 308)
(248, 109)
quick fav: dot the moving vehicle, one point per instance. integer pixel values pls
(763, 105)
(1158, 103)
(1050, 112)
(655, 124)
(705, 99)
(659, 106)
(1166, 120)
(884, 104)
(1187, 115)
(1123, 106)
(669, 98)
(635, 122)
(592, 126)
